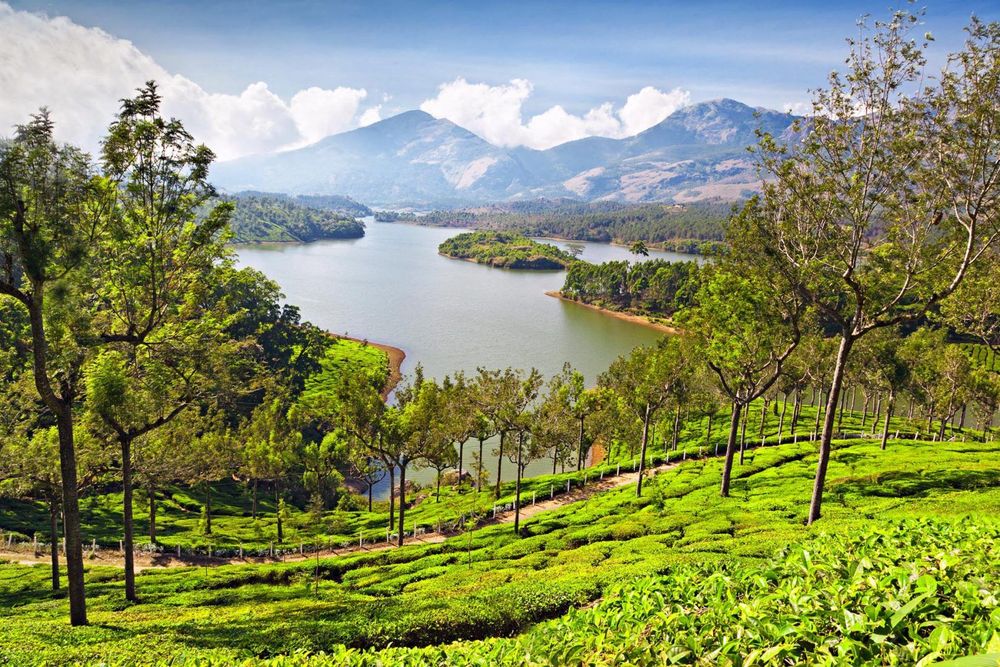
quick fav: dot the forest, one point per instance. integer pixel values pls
(690, 228)
(808, 473)
(506, 250)
(656, 287)
(260, 217)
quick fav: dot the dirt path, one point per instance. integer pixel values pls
(113, 558)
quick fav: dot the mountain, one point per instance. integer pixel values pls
(698, 152)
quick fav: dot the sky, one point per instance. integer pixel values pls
(253, 76)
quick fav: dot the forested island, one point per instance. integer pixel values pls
(262, 217)
(507, 250)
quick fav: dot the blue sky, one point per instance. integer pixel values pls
(576, 54)
(254, 76)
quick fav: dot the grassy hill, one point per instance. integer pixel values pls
(899, 569)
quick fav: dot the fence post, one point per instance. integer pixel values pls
(552, 491)
(618, 471)
(241, 551)
(567, 486)
(178, 551)
(121, 546)
(35, 545)
(532, 497)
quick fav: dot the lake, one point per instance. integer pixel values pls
(392, 287)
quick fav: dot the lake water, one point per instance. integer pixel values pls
(392, 287)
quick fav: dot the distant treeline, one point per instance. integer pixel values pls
(262, 217)
(692, 228)
(655, 287)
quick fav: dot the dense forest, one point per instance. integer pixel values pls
(808, 474)
(260, 217)
(655, 287)
(692, 228)
(507, 250)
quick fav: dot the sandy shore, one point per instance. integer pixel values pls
(628, 317)
(396, 357)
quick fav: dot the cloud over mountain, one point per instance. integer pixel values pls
(80, 73)
(495, 113)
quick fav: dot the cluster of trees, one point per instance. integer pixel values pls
(655, 286)
(684, 228)
(261, 217)
(134, 353)
(506, 250)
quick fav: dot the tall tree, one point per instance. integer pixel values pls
(160, 248)
(645, 381)
(745, 333)
(892, 195)
(51, 215)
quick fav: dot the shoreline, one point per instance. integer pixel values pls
(641, 320)
(395, 355)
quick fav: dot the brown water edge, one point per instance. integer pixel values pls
(617, 314)
(396, 357)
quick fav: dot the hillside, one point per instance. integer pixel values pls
(260, 217)
(697, 153)
(724, 568)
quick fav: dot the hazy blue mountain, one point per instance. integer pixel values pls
(698, 152)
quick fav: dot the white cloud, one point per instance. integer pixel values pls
(370, 115)
(798, 108)
(81, 73)
(495, 113)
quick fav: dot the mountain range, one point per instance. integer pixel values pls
(413, 159)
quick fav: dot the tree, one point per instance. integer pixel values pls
(50, 216)
(645, 381)
(745, 333)
(639, 248)
(580, 402)
(879, 362)
(270, 446)
(412, 426)
(502, 398)
(890, 198)
(161, 351)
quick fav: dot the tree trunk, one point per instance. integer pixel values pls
(864, 412)
(253, 506)
(840, 416)
(369, 497)
(825, 445)
(941, 429)
(517, 486)
(581, 454)
(781, 419)
(479, 468)
(152, 515)
(402, 503)
(961, 419)
(392, 494)
(129, 542)
(763, 422)
(677, 427)
(437, 493)
(642, 452)
(555, 459)
(496, 491)
(796, 410)
(727, 467)
(743, 433)
(54, 538)
(888, 416)
(62, 408)
(819, 413)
